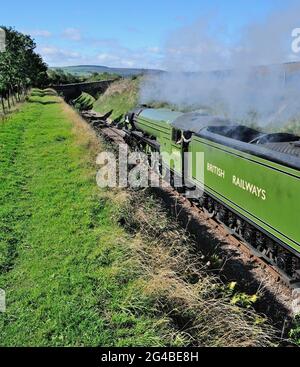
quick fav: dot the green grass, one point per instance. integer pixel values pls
(35, 92)
(64, 260)
(72, 275)
(295, 331)
(84, 102)
(121, 97)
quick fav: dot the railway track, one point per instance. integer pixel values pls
(240, 261)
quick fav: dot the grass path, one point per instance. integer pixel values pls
(64, 260)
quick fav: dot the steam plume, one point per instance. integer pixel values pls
(241, 76)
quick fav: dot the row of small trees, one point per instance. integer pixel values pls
(20, 68)
(61, 76)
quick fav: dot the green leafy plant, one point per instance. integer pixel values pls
(295, 331)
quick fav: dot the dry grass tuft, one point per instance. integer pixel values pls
(181, 285)
(184, 292)
(85, 135)
(120, 86)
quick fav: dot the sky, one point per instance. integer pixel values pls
(128, 33)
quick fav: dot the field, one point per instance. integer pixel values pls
(87, 267)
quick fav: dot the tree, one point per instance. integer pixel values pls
(59, 76)
(20, 66)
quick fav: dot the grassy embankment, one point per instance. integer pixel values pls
(123, 96)
(83, 266)
(84, 102)
(64, 260)
(120, 97)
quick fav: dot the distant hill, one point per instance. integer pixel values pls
(84, 70)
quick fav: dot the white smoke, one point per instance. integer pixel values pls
(207, 66)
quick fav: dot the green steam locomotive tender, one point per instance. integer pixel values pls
(251, 179)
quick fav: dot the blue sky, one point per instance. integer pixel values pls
(129, 33)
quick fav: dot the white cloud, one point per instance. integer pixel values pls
(73, 34)
(39, 33)
(108, 58)
(131, 58)
(109, 53)
(154, 50)
(57, 56)
(115, 60)
(93, 50)
(53, 51)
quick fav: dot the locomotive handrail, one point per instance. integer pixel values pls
(257, 150)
